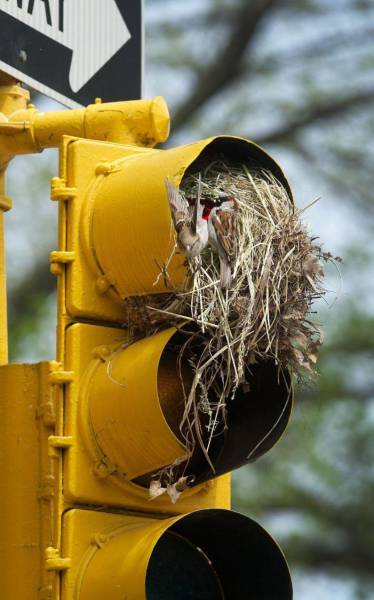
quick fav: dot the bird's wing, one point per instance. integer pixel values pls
(224, 225)
(198, 208)
(178, 205)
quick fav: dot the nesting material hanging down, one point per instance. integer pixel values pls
(252, 278)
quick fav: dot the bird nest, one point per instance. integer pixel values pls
(276, 275)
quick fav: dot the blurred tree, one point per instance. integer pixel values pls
(315, 490)
(297, 77)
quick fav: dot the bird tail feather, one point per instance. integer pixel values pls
(178, 204)
(225, 274)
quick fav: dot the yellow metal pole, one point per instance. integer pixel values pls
(4, 205)
(12, 98)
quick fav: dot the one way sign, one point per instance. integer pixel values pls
(74, 50)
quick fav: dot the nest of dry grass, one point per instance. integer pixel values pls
(277, 274)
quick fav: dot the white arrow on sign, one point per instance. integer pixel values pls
(94, 30)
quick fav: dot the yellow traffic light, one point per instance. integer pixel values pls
(206, 555)
(125, 405)
(116, 208)
(124, 398)
(109, 409)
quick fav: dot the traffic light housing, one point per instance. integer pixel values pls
(118, 236)
(108, 409)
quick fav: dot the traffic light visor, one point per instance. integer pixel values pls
(135, 401)
(211, 554)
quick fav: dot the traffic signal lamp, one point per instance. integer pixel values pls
(118, 219)
(205, 555)
(108, 410)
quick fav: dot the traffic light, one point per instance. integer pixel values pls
(108, 410)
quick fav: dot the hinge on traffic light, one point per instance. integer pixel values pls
(60, 377)
(58, 442)
(55, 562)
(57, 258)
(60, 191)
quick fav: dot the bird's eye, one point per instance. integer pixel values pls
(188, 248)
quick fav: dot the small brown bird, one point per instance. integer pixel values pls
(191, 227)
(221, 229)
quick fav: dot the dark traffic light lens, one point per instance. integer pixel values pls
(179, 570)
(217, 555)
(249, 564)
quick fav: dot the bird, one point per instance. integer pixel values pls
(206, 221)
(221, 235)
(191, 227)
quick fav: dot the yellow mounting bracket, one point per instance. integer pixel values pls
(25, 130)
(138, 122)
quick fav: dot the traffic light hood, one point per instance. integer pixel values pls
(130, 202)
(127, 244)
(134, 401)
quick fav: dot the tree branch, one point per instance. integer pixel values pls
(344, 558)
(320, 47)
(224, 69)
(322, 111)
(347, 523)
